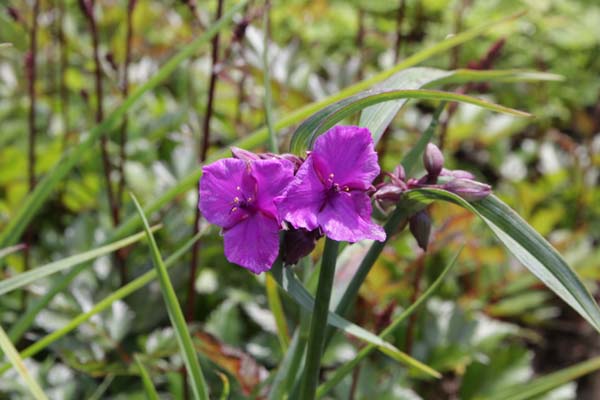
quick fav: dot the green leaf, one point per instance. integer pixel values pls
(13, 356)
(149, 388)
(544, 384)
(175, 315)
(529, 247)
(32, 275)
(310, 129)
(378, 117)
(44, 188)
(293, 287)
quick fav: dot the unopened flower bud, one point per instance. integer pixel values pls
(468, 189)
(298, 243)
(433, 160)
(294, 159)
(388, 195)
(399, 172)
(420, 227)
(243, 155)
(457, 173)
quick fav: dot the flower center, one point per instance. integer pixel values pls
(241, 202)
(333, 189)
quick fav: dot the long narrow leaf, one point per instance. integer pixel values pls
(530, 248)
(25, 278)
(13, 357)
(306, 133)
(176, 315)
(544, 384)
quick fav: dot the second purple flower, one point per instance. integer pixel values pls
(329, 190)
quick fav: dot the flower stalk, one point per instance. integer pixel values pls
(316, 339)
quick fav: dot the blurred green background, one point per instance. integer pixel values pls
(491, 326)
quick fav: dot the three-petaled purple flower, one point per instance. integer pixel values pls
(329, 190)
(238, 196)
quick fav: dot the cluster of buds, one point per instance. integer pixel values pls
(461, 183)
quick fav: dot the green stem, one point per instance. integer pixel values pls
(318, 321)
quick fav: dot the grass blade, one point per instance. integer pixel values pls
(44, 188)
(13, 357)
(176, 315)
(25, 278)
(149, 388)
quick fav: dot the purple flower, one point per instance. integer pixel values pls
(238, 195)
(329, 190)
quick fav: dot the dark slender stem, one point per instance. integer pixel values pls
(360, 39)
(318, 322)
(399, 19)
(30, 70)
(416, 284)
(267, 78)
(87, 7)
(125, 91)
(30, 67)
(88, 10)
(63, 64)
(354, 386)
(191, 293)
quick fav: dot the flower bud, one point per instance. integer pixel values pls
(298, 243)
(243, 155)
(433, 160)
(294, 159)
(420, 227)
(468, 189)
(399, 172)
(457, 173)
(388, 195)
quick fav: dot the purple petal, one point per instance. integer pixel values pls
(272, 177)
(301, 201)
(253, 243)
(347, 217)
(348, 153)
(221, 182)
